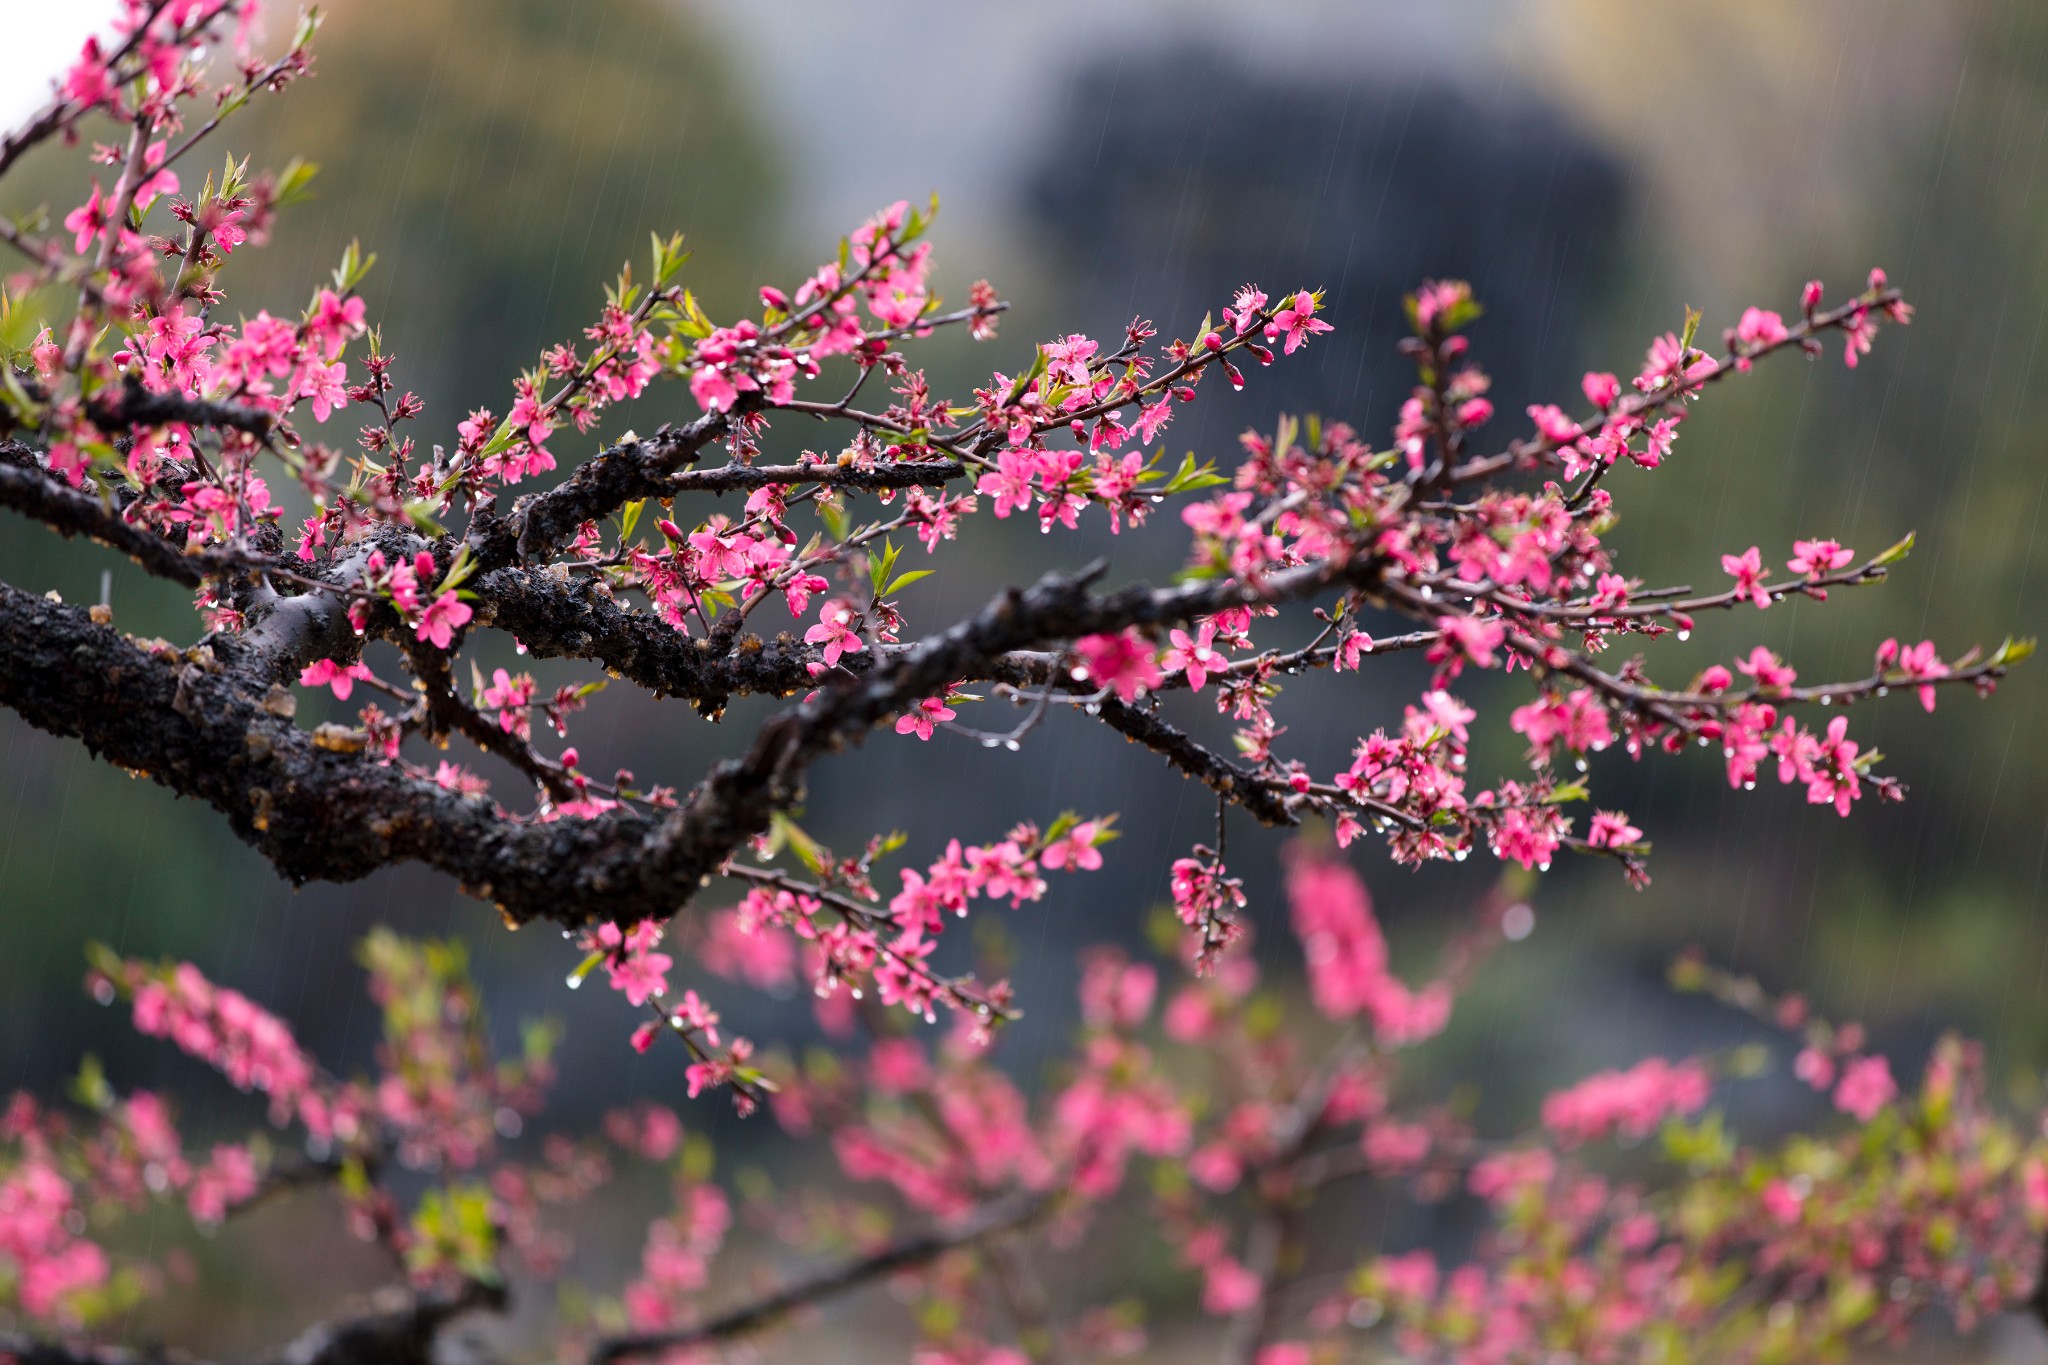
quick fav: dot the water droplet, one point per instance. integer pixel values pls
(1543, 867)
(1093, 708)
(1461, 855)
(1827, 701)
(1750, 785)
(575, 980)
(1580, 764)
(1517, 922)
(990, 741)
(1685, 635)
(856, 993)
(1884, 691)
(1012, 745)
(1703, 741)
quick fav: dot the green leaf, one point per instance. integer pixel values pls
(808, 850)
(354, 265)
(459, 572)
(1039, 363)
(668, 257)
(293, 182)
(1692, 328)
(905, 579)
(695, 323)
(2014, 650)
(1189, 477)
(1896, 552)
(89, 1087)
(879, 565)
(629, 517)
(834, 517)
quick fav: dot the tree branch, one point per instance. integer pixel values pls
(993, 1219)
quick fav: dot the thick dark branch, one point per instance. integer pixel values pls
(634, 469)
(211, 724)
(558, 615)
(446, 711)
(739, 798)
(208, 727)
(70, 512)
(136, 406)
(908, 1254)
(1230, 780)
(889, 474)
(400, 1331)
(19, 1348)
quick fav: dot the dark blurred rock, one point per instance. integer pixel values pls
(1170, 183)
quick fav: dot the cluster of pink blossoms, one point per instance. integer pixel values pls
(1632, 1103)
(1348, 972)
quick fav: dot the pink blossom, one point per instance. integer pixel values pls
(1631, 1102)
(1749, 572)
(333, 321)
(1815, 1067)
(1194, 657)
(227, 1179)
(1918, 663)
(1757, 329)
(1244, 310)
(1394, 1148)
(1611, 829)
(88, 220)
(87, 83)
(324, 384)
(1463, 639)
(328, 673)
(921, 719)
(1602, 390)
(1010, 483)
(1122, 661)
(1782, 1203)
(1075, 848)
(1816, 557)
(1866, 1087)
(1228, 1288)
(1409, 1278)
(1297, 321)
(1769, 671)
(1833, 778)
(442, 618)
(835, 631)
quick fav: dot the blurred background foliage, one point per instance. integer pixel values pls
(1592, 165)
